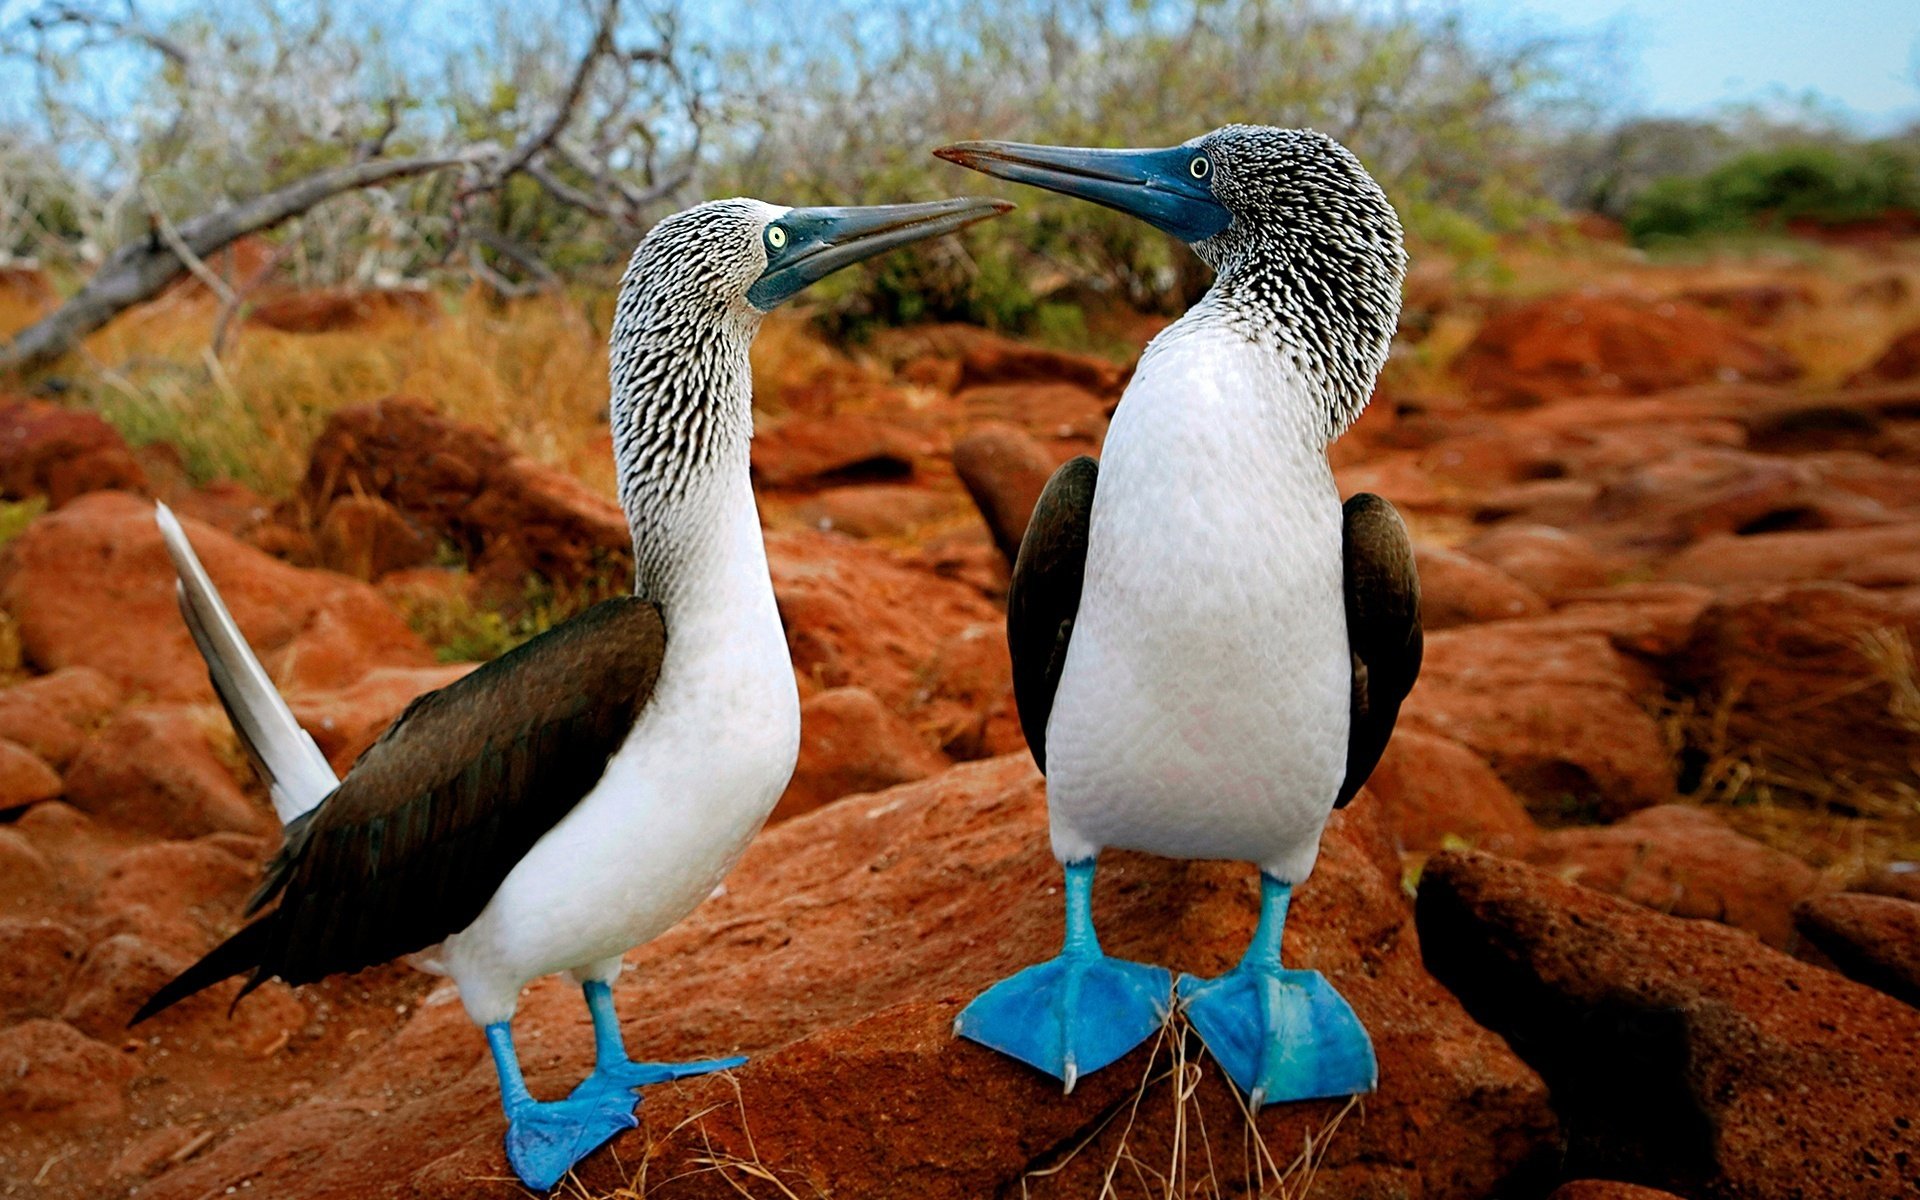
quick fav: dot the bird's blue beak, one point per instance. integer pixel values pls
(808, 244)
(1171, 189)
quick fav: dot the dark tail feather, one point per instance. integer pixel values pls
(244, 951)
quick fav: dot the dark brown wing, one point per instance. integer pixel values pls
(436, 813)
(1045, 594)
(1383, 629)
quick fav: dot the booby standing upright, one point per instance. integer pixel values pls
(582, 793)
(1209, 649)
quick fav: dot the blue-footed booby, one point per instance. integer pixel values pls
(1209, 649)
(580, 794)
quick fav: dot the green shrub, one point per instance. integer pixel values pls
(1766, 189)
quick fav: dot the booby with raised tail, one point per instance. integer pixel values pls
(580, 794)
(1209, 649)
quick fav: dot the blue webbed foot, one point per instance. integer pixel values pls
(545, 1140)
(1281, 1035)
(1073, 1014)
(623, 1077)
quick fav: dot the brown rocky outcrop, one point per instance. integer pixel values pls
(1803, 680)
(1458, 589)
(49, 450)
(850, 742)
(1004, 469)
(1601, 344)
(1682, 1054)
(91, 585)
(1874, 939)
(155, 770)
(509, 516)
(857, 932)
(1553, 713)
(1687, 862)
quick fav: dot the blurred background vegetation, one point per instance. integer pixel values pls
(124, 123)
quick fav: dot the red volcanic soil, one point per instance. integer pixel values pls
(1668, 722)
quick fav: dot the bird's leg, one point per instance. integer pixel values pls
(1077, 1012)
(546, 1138)
(616, 1074)
(1280, 1034)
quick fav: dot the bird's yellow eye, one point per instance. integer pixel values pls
(777, 237)
(1199, 167)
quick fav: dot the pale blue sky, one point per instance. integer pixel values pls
(1676, 57)
(1692, 56)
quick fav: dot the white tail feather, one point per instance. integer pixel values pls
(297, 774)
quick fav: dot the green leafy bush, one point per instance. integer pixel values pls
(1766, 189)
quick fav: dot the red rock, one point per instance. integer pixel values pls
(875, 510)
(1899, 362)
(1073, 418)
(1883, 556)
(931, 371)
(811, 452)
(1874, 939)
(151, 1152)
(850, 742)
(228, 506)
(1752, 304)
(1693, 494)
(1004, 470)
(37, 959)
(1607, 1189)
(855, 616)
(53, 715)
(1554, 563)
(116, 977)
(56, 452)
(182, 895)
(988, 358)
(54, 1075)
(510, 516)
(366, 537)
(91, 585)
(25, 778)
(1540, 502)
(25, 874)
(843, 947)
(1650, 620)
(968, 693)
(1433, 792)
(1682, 1054)
(1488, 454)
(1801, 679)
(1900, 880)
(345, 722)
(1594, 344)
(333, 310)
(1686, 862)
(1553, 713)
(155, 770)
(75, 697)
(1456, 589)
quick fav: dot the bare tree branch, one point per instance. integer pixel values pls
(543, 136)
(140, 269)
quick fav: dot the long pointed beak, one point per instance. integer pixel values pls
(819, 241)
(1158, 186)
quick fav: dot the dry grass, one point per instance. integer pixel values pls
(1189, 1170)
(534, 370)
(1842, 826)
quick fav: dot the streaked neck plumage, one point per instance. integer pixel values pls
(682, 424)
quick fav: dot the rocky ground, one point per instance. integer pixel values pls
(1632, 897)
